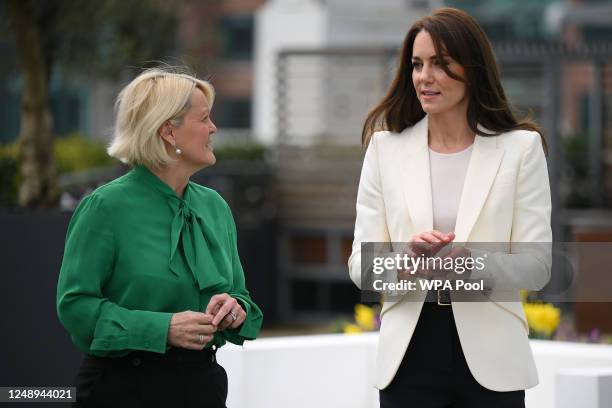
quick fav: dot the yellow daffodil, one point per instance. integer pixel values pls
(351, 329)
(365, 317)
(542, 317)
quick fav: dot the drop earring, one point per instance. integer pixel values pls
(176, 149)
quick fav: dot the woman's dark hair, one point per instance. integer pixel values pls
(457, 34)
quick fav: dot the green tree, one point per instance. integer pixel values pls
(82, 38)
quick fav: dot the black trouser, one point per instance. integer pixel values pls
(434, 373)
(142, 379)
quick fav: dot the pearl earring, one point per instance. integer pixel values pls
(176, 149)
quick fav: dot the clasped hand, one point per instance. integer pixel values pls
(427, 244)
(193, 330)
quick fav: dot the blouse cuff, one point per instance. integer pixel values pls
(250, 328)
(147, 331)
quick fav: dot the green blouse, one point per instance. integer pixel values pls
(136, 253)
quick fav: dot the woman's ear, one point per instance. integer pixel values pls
(165, 132)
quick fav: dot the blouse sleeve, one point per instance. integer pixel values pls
(97, 325)
(254, 317)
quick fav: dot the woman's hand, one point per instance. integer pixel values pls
(435, 238)
(426, 244)
(456, 253)
(226, 310)
(191, 330)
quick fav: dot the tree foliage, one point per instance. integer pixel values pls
(83, 40)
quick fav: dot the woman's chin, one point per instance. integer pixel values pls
(207, 160)
(210, 159)
(430, 108)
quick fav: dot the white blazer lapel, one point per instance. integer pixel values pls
(482, 169)
(416, 182)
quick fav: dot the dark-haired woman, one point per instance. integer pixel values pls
(448, 161)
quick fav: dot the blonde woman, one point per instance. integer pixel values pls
(151, 283)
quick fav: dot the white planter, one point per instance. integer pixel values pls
(337, 371)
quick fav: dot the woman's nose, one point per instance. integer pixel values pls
(426, 73)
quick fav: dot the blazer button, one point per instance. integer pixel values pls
(136, 361)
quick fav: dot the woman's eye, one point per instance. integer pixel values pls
(416, 65)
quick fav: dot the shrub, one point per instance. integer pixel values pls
(76, 153)
(9, 175)
(72, 153)
(248, 152)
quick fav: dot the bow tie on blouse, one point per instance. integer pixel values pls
(202, 251)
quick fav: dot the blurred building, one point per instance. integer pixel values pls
(321, 65)
(585, 81)
(215, 38)
(283, 25)
(236, 44)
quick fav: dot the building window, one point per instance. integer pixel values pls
(237, 37)
(232, 113)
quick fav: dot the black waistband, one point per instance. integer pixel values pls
(439, 297)
(172, 355)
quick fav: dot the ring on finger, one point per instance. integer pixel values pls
(201, 338)
(234, 316)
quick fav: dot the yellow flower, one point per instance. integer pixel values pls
(351, 329)
(542, 317)
(365, 317)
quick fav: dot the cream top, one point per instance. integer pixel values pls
(448, 172)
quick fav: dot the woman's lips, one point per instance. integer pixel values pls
(429, 95)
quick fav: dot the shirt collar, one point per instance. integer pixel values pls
(147, 176)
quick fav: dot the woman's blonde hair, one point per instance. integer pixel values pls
(155, 96)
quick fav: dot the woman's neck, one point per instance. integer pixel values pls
(449, 132)
(174, 176)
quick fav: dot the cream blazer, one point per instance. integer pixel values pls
(505, 198)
